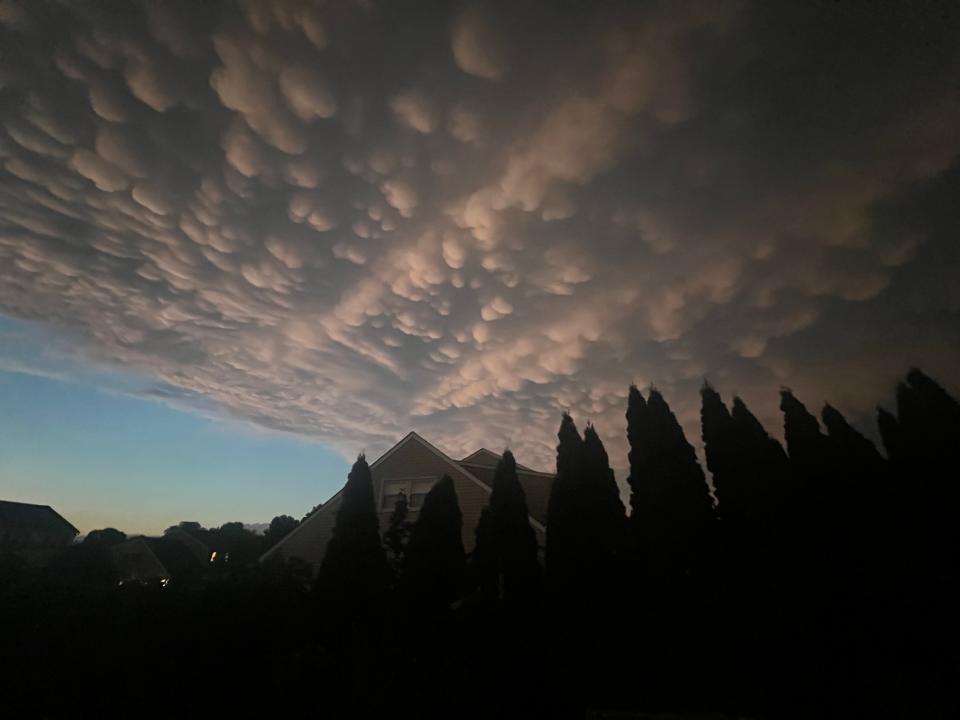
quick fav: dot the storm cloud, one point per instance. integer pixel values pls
(352, 219)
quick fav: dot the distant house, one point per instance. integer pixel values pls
(136, 561)
(412, 466)
(36, 533)
(176, 555)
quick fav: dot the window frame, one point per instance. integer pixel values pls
(407, 482)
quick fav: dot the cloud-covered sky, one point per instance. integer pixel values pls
(351, 219)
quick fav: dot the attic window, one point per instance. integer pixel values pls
(415, 489)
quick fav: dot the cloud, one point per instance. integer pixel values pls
(252, 209)
(306, 93)
(476, 48)
(415, 110)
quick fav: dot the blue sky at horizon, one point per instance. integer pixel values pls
(91, 444)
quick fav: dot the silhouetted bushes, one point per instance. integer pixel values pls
(816, 581)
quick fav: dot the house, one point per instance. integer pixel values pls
(412, 466)
(136, 561)
(176, 555)
(36, 533)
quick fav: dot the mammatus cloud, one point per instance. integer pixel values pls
(329, 220)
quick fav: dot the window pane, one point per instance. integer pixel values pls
(390, 501)
(416, 500)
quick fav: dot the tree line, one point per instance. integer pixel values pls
(821, 576)
(813, 578)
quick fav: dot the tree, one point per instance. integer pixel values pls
(234, 544)
(354, 572)
(434, 566)
(396, 537)
(505, 555)
(564, 551)
(673, 515)
(105, 538)
(280, 527)
(723, 455)
(605, 521)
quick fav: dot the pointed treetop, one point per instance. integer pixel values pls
(507, 496)
(801, 428)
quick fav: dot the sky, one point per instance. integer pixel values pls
(241, 242)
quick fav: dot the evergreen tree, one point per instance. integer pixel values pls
(605, 517)
(826, 493)
(723, 455)
(505, 556)
(674, 527)
(434, 566)
(891, 434)
(354, 571)
(564, 551)
(396, 537)
(673, 514)
(764, 464)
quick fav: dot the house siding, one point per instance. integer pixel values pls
(412, 459)
(415, 459)
(311, 538)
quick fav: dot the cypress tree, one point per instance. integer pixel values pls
(354, 572)
(506, 550)
(891, 434)
(671, 498)
(563, 522)
(674, 527)
(434, 566)
(765, 465)
(826, 494)
(606, 521)
(722, 454)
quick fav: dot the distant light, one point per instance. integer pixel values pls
(213, 556)
(164, 581)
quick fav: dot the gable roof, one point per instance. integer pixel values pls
(27, 516)
(458, 466)
(410, 437)
(135, 560)
(489, 459)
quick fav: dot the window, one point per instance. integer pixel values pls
(415, 489)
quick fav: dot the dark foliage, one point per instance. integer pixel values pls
(824, 584)
(433, 570)
(397, 536)
(354, 574)
(505, 561)
(107, 537)
(280, 527)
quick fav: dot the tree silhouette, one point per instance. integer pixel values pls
(398, 534)
(604, 517)
(107, 537)
(672, 511)
(434, 566)
(564, 552)
(354, 572)
(505, 557)
(280, 527)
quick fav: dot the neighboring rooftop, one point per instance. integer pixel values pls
(21, 517)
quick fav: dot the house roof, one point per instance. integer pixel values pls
(461, 466)
(26, 516)
(135, 560)
(487, 458)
